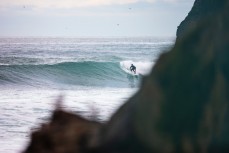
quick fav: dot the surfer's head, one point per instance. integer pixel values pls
(131, 64)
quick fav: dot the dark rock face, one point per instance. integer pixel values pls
(181, 107)
(201, 10)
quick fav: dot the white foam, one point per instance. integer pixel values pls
(142, 68)
(4, 64)
(23, 109)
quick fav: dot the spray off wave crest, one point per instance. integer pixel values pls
(88, 73)
(142, 68)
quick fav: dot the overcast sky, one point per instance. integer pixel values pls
(97, 18)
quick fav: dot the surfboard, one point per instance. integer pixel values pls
(132, 73)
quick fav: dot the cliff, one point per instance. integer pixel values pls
(201, 10)
(181, 107)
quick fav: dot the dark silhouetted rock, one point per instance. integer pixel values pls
(202, 10)
(181, 107)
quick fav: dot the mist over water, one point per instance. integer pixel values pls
(88, 72)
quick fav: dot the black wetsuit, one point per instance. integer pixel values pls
(133, 68)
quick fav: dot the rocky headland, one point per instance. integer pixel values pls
(201, 10)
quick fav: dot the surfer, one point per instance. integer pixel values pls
(133, 68)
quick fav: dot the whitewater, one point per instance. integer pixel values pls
(90, 74)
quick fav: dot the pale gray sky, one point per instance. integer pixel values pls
(97, 18)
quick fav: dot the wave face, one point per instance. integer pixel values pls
(72, 62)
(70, 73)
(110, 74)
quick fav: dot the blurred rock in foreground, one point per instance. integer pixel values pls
(181, 107)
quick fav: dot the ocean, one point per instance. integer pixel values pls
(90, 74)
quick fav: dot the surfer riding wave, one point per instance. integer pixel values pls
(133, 68)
